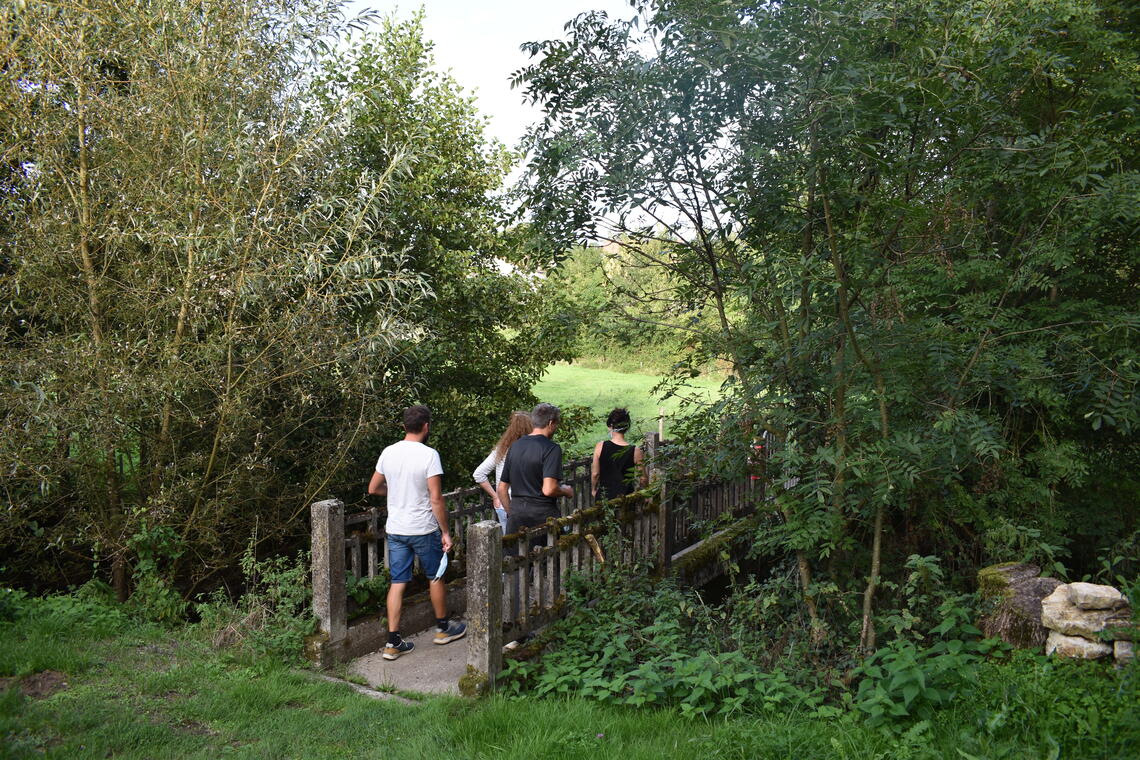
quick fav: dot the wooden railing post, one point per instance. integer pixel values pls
(329, 591)
(664, 524)
(484, 607)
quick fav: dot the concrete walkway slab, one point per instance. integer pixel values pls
(428, 669)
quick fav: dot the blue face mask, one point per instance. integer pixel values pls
(442, 568)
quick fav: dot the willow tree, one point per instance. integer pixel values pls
(196, 332)
(446, 214)
(916, 222)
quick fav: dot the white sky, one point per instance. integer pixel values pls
(478, 42)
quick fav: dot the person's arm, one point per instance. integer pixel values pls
(482, 476)
(378, 486)
(596, 469)
(552, 473)
(639, 462)
(505, 496)
(551, 487)
(439, 509)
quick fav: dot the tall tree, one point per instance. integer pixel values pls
(195, 333)
(916, 222)
(489, 328)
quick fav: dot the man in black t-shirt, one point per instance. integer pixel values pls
(531, 481)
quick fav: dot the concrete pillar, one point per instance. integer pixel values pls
(484, 603)
(329, 591)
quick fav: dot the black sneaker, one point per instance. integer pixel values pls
(392, 651)
(453, 631)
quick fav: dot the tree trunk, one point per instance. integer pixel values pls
(867, 636)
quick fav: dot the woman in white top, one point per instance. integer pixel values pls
(518, 426)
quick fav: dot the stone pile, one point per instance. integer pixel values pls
(1067, 619)
(1076, 614)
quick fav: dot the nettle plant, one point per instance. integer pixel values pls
(903, 682)
(632, 643)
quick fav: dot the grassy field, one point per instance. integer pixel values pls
(100, 684)
(601, 390)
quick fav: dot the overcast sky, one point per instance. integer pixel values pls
(478, 41)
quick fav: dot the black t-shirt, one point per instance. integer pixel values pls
(529, 460)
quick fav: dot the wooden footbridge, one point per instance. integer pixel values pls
(505, 588)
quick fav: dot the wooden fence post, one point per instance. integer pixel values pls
(329, 591)
(657, 477)
(484, 607)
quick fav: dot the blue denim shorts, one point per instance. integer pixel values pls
(401, 550)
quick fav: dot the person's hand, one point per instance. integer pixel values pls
(446, 540)
(497, 503)
(567, 491)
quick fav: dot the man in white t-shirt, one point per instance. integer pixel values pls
(409, 473)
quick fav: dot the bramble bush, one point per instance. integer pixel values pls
(902, 682)
(154, 596)
(936, 689)
(274, 614)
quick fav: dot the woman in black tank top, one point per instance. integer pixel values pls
(616, 469)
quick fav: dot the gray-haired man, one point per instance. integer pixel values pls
(532, 473)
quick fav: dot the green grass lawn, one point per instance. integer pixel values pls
(106, 685)
(110, 686)
(601, 390)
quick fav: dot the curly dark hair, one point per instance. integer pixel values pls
(618, 420)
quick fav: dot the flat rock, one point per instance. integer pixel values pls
(1076, 647)
(996, 578)
(1094, 596)
(1120, 627)
(1059, 614)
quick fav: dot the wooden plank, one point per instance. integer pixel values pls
(648, 550)
(563, 570)
(524, 581)
(537, 584)
(354, 548)
(549, 568)
(636, 543)
(373, 531)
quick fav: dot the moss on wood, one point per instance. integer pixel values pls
(709, 552)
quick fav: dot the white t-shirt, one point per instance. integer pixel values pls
(406, 467)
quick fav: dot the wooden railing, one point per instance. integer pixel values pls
(701, 508)
(514, 586)
(536, 563)
(366, 550)
(518, 581)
